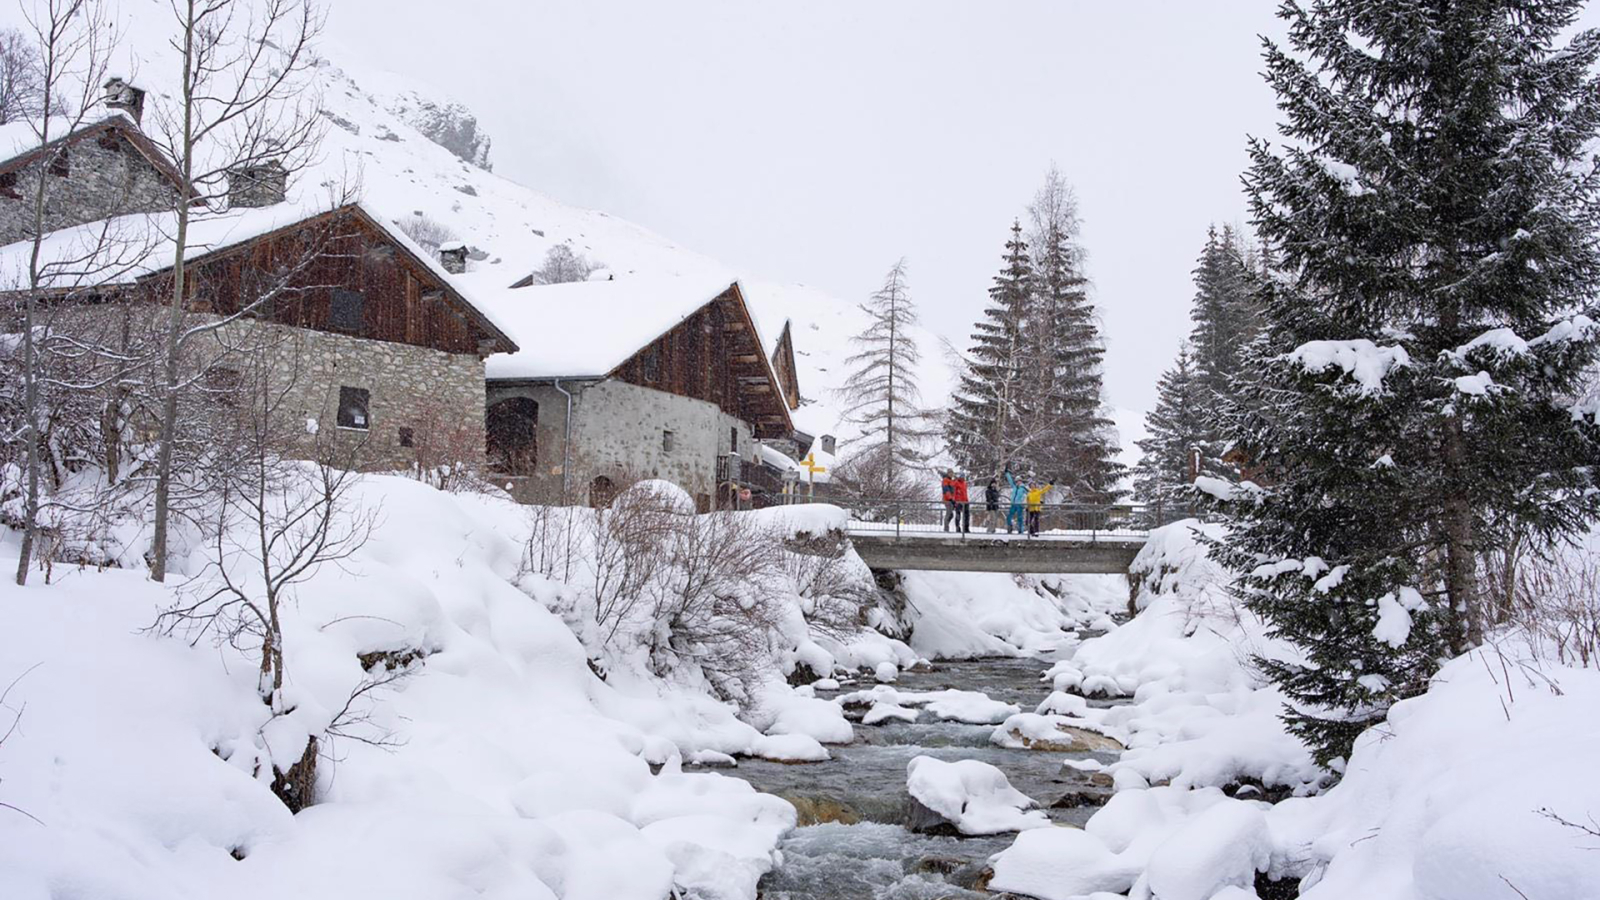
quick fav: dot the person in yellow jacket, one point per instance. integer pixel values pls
(1036, 497)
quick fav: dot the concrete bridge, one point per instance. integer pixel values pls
(1073, 540)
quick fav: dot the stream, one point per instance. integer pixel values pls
(852, 843)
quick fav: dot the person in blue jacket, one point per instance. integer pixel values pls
(1019, 502)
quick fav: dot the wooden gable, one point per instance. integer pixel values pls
(341, 272)
(784, 367)
(715, 355)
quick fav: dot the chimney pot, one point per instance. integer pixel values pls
(257, 185)
(453, 257)
(120, 95)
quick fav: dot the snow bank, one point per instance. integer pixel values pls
(973, 796)
(963, 615)
(498, 766)
(1460, 792)
(1201, 714)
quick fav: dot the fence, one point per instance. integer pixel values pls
(891, 516)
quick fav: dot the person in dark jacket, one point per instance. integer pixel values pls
(947, 493)
(991, 504)
(963, 504)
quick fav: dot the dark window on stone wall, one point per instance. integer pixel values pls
(347, 311)
(223, 385)
(733, 440)
(8, 186)
(353, 408)
(408, 438)
(59, 164)
(668, 441)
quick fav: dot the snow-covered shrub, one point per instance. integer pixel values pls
(427, 231)
(562, 264)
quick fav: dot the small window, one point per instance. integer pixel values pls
(223, 385)
(353, 408)
(347, 310)
(668, 441)
(60, 166)
(733, 440)
(651, 364)
(408, 437)
(8, 186)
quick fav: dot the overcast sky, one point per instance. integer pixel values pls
(818, 142)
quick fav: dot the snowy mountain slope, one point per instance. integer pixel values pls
(375, 141)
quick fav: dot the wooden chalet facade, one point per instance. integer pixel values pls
(687, 406)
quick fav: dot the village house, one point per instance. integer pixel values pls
(362, 333)
(633, 378)
(104, 167)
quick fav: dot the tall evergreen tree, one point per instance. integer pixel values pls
(1432, 220)
(989, 413)
(1065, 352)
(882, 395)
(1178, 428)
(1223, 312)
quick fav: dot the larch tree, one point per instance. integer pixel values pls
(1431, 216)
(881, 394)
(1178, 430)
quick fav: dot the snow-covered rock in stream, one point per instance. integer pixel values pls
(1031, 731)
(1061, 864)
(972, 797)
(883, 712)
(971, 707)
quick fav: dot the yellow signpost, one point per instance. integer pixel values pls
(811, 467)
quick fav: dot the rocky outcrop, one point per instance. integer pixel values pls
(450, 125)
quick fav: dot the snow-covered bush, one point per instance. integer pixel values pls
(427, 231)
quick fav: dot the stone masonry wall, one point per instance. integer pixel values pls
(100, 182)
(617, 432)
(438, 396)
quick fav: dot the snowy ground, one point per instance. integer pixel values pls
(1481, 788)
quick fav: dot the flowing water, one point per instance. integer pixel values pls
(851, 843)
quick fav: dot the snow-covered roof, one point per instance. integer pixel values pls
(19, 137)
(585, 329)
(142, 244)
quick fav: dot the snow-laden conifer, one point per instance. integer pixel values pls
(1431, 213)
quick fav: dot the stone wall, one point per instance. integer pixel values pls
(101, 181)
(435, 396)
(618, 431)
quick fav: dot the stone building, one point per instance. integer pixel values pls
(361, 335)
(105, 167)
(632, 378)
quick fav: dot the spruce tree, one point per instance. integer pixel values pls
(882, 395)
(1063, 375)
(989, 412)
(1431, 216)
(1223, 313)
(1178, 427)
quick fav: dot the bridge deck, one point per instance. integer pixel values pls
(1060, 552)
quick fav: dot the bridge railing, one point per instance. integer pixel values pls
(1063, 520)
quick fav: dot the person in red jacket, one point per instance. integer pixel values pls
(963, 506)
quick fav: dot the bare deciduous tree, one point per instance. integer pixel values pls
(427, 231)
(244, 106)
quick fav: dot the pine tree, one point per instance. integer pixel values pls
(988, 411)
(1063, 375)
(882, 395)
(1178, 427)
(1431, 216)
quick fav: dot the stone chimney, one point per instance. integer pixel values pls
(124, 97)
(260, 184)
(453, 256)
(829, 444)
